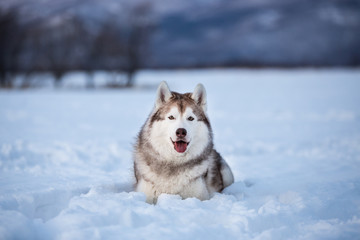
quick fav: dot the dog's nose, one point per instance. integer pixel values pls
(181, 132)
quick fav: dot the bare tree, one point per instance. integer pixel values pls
(59, 46)
(108, 48)
(11, 36)
(138, 31)
(61, 42)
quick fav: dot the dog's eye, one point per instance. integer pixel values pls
(171, 117)
(190, 118)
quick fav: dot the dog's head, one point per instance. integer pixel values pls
(179, 126)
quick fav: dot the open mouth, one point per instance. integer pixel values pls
(180, 146)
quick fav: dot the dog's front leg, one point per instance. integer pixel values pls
(148, 189)
(197, 188)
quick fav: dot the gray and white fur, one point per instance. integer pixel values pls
(174, 152)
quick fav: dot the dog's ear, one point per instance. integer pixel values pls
(163, 94)
(199, 96)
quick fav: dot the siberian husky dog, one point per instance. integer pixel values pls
(174, 152)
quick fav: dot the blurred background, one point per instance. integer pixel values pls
(121, 37)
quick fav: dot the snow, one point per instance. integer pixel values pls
(292, 138)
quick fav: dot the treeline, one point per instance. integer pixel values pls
(65, 42)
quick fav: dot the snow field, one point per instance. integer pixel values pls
(291, 137)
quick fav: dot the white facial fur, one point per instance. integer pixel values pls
(163, 133)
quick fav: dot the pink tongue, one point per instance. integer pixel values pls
(180, 146)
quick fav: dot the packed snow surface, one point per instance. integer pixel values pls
(291, 137)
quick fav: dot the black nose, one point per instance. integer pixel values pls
(181, 132)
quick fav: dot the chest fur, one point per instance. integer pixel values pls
(167, 178)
